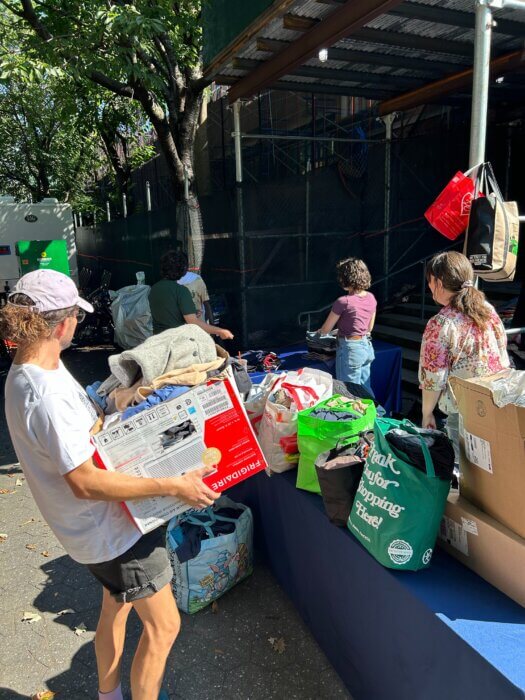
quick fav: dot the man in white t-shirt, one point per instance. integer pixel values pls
(49, 418)
(199, 293)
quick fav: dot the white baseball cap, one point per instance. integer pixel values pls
(50, 291)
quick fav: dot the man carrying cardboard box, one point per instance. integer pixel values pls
(49, 418)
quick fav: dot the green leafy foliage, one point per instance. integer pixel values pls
(49, 147)
(146, 51)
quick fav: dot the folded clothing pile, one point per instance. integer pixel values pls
(161, 368)
(320, 347)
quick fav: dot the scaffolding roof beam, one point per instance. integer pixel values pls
(508, 62)
(372, 59)
(394, 81)
(444, 15)
(346, 20)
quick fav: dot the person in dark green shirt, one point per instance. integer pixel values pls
(171, 303)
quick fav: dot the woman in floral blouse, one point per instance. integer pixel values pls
(465, 339)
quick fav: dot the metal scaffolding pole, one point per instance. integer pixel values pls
(240, 218)
(388, 121)
(480, 82)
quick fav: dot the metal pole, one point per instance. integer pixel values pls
(480, 82)
(124, 206)
(186, 185)
(423, 288)
(307, 220)
(108, 211)
(388, 121)
(80, 219)
(240, 219)
(237, 140)
(148, 196)
(94, 218)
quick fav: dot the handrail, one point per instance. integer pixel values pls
(379, 281)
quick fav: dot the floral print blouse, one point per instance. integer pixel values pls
(453, 346)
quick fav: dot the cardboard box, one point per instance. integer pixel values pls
(485, 546)
(206, 425)
(492, 447)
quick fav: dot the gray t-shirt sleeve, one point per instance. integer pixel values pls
(56, 428)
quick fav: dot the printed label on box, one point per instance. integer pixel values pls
(469, 526)
(206, 426)
(478, 451)
(453, 533)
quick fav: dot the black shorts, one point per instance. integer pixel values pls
(138, 573)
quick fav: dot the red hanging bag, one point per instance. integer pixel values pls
(449, 213)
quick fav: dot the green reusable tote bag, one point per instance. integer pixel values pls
(315, 435)
(397, 509)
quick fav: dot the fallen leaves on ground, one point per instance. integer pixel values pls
(278, 645)
(45, 553)
(43, 695)
(80, 629)
(31, 520)
(31, 617)
(4, 491)
(3, 536)
(215, 607)
(66, 611)
(31, 547)
(20, 482)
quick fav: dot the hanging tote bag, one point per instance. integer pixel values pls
(303, 388)
(449, 213)
(223, 560)
(316, 435)
(492, 238)
(397, 509)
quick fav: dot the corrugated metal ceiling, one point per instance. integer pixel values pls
(439, 48)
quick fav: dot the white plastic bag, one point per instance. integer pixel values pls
(306, 388)
(256, 399)
(132, 316)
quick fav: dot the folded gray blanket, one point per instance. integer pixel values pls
(173, 349)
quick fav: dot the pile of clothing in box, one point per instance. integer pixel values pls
(161, 368)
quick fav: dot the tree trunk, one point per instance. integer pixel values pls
(176, 138)
(120, 165)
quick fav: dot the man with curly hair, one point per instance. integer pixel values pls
(353, 314)
(50, 417)
(171, 303)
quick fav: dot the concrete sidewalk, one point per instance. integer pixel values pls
(221, 655)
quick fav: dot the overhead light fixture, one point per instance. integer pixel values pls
(323, 55)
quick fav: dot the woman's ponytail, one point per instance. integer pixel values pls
(457, 275)
(472, 303)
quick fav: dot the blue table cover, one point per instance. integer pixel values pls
(438, 634)
(385, 375)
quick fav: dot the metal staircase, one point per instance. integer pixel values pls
(404, 324)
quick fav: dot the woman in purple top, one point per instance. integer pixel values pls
(353, 314)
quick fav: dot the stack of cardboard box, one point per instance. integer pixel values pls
(484, 527)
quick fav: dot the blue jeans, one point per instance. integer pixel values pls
(352, 361)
